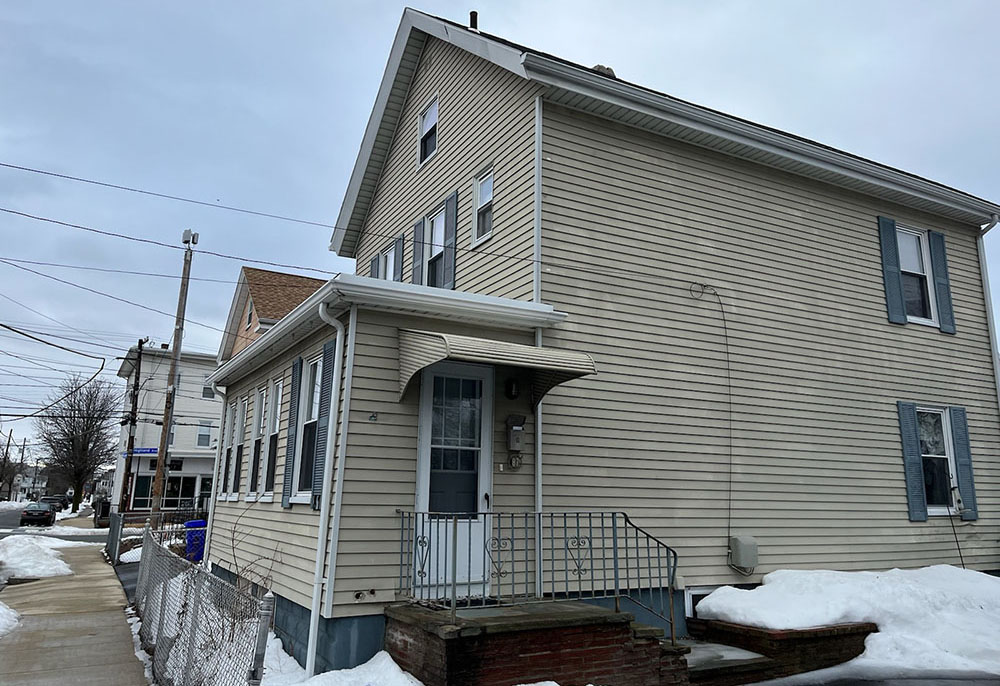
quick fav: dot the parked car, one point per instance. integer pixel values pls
(55, 500)
(66, 500)
(39, 513)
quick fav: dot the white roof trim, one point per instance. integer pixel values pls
(345, 290)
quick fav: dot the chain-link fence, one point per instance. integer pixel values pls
(200, 630)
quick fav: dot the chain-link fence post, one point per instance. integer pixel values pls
(264, 615)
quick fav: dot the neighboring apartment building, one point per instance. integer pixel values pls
(191, 451)
(583, 295)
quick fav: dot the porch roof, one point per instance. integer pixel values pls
(550, 366)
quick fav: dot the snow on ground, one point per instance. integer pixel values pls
(7, 505)
(280, 669)
(33, 557)
(134, 555)
(135, 624)
(8, 620)
(62, 531)
(938, 618)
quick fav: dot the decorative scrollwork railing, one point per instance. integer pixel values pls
(464, 560)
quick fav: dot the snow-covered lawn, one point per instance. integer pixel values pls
(58, 530)
(33, 557)
(938, 618)
(280, 669)
(8, 620)
(6, 505)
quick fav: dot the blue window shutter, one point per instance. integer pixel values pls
(323, 421)
(450, 240)
(913, 464)
(293, 422)
(963, 462)
(418, 252)
(397, 267)
(942, 285)
(373, 269)
(890, 270)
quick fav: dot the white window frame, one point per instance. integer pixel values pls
(228, 429)
(477, 205)
(941, 510)
(304, 399)
(387, 263)
(690, 592)
(259, 420)
(205, 385)
(429, 244)
(241, 432)
(276, 392)
(925, 254)
(202, 424)
(420, 126)
(249, 315)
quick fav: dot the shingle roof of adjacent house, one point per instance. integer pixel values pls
(596, 91)
(275, 294)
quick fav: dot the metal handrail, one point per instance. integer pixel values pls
(478, 559)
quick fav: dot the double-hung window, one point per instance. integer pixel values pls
(204, 433)
(310, 419)
(227, 461)
(483, 219)
(387, 263)
(916, 276)
(206, 389)
(241, 428)
(259, 424)
(427, 130)
(273, 424)
(915, 272)
(434, 269)
(938, 459)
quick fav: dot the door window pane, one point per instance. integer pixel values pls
(455, 444)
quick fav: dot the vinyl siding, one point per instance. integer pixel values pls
(269, 539)
(486, 118)
(630, 221)
(382, 457)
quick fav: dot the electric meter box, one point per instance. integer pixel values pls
(743, 551)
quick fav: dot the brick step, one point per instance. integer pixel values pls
(732, 672)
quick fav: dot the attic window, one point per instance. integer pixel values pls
(428, 131)
(249, 315)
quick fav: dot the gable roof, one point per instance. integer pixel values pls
(599, 93)
(273, 294)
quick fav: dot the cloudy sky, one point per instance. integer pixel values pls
(262, 105)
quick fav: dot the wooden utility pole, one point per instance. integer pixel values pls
(168, 404)
(133, 419)
(6, 464)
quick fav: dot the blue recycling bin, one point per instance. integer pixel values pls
(195, 549)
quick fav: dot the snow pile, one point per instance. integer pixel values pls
(135, 624)
(58, 530)
(134, 555)
(7, 505)
(282, 670)
(938, 618)
(8, 620)
(33, 557)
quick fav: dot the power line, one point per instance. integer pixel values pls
(167, 196)
(40, 314)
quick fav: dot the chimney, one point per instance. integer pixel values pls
(474, 20)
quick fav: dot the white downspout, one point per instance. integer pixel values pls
(215, 476)
(324, 510)
(537, 297)
(338, 499)
(990, 324)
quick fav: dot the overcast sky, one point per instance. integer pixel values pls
(263, 105)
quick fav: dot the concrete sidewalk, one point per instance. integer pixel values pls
(73, 628)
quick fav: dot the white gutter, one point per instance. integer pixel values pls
(215, 475)
(324, 510)
(338, 498)
(988, 300)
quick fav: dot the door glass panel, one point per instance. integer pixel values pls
(455, 444)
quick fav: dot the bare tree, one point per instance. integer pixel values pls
(78, 432)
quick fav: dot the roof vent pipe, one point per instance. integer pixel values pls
(474, 20)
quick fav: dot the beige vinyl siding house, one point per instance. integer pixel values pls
(816, 368)
(704, 306)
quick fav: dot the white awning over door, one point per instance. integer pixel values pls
(550, 366)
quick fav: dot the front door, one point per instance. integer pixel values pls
(454, 474)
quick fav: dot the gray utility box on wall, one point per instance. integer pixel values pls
(743, 551)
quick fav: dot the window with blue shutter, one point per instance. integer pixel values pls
(937, 461)
(915, 275)
(293, 423)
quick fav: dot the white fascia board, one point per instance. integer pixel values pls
(347, 289)
(502, 55)
(240, 296)
(560, 75)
